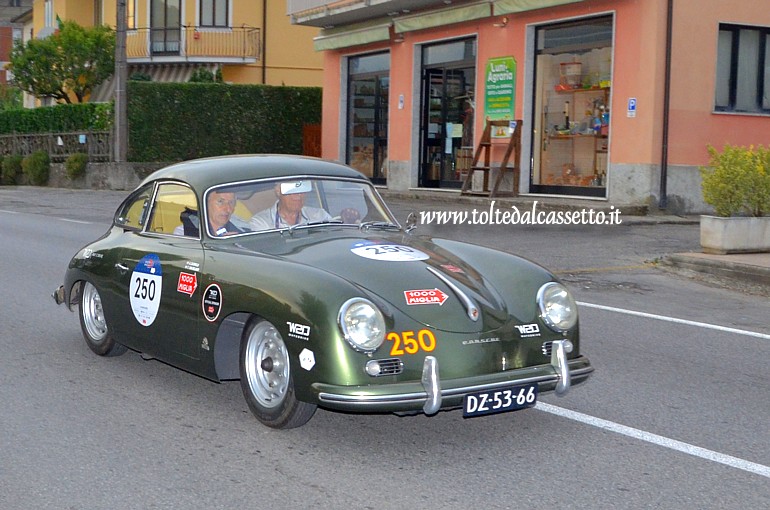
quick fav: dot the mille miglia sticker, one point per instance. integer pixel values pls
(187, 283)
(425, 297)
(212, 302)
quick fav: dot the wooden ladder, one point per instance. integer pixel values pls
(485, 148)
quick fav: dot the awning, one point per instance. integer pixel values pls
(167, 73)
(442, 17)
(509, 6)
(353, 35)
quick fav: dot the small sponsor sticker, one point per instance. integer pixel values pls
(192, 266)
(212, 302)
(425, 297)
(187, 283)
(388, 252)
(528, 330)
(306, 359)
(298, 331)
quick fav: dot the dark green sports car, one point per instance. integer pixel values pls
(292, 275)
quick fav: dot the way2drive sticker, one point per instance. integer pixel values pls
(212, 302)
(388, 252)
(145, 289)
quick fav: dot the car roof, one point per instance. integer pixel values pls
(204, 173)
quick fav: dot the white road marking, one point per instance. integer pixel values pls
(74, 221)
(9, 212)
(674, 319)
(696, 451)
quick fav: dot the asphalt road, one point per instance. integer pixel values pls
(675, 416)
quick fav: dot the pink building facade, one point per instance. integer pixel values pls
(618, 99)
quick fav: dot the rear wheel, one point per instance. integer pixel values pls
(266, 378)
(94, 325)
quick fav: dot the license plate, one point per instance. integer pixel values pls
(500, 401)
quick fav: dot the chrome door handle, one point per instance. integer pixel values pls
(120, 267)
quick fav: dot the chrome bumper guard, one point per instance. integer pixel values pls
(432, 398)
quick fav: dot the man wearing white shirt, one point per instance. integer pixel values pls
(288, 210)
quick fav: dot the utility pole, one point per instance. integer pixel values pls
(121, 76)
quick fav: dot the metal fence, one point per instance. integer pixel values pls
(97, 144)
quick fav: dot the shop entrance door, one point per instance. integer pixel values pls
(448, 105)
(367, 138)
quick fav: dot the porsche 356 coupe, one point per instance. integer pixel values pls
(291, 275)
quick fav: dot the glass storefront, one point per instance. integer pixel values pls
(367, 136)
(571, 108)
(448, 108)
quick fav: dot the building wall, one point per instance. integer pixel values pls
(639, 66)
(287, 55)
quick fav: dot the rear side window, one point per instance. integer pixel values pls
(133, 213)
(175, 211)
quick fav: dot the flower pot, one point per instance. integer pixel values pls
(734, 234)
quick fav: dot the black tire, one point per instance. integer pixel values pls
(266, 378)
(94, 325)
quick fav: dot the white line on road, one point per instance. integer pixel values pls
(674, 319)
(673, 444)
(74, 221)
(9, 212)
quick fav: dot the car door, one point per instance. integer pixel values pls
(158, 274)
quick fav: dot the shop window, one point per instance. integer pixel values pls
(743, 70)
(572, 108)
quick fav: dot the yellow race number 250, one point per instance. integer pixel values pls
(407, 343)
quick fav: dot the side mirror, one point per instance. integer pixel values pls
(411, 222)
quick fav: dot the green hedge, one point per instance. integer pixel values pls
(61, 118)
(179, 121)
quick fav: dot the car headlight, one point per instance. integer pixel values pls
(362, 324)
(557, 307)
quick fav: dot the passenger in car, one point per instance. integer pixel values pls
(289, 209)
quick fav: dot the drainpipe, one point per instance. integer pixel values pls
(663, 203)
(264, 42)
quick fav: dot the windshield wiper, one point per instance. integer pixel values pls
(366, 225)
(290, 229)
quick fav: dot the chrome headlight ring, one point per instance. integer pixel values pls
(362, 324)
(557, 307)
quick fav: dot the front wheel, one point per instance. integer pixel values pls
(94, 325)
(266, 378)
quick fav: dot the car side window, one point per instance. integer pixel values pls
(175, 211)
(134, 211)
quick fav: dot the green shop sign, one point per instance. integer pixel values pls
(500, 91)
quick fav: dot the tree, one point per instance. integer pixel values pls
(71, 62)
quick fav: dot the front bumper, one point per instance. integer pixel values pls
(432, 394)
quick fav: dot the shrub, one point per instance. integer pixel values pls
(36, 167)
(11, 169)
(75, 165)
(737, 181)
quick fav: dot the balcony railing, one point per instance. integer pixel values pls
(194, 43)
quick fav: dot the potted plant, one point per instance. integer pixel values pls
(737, 185)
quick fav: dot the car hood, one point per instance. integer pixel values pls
(426, 282)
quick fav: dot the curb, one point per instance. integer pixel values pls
(753, 278)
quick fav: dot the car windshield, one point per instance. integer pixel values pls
(292, 203)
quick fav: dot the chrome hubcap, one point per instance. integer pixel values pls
(93, 315)
(267, 365)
